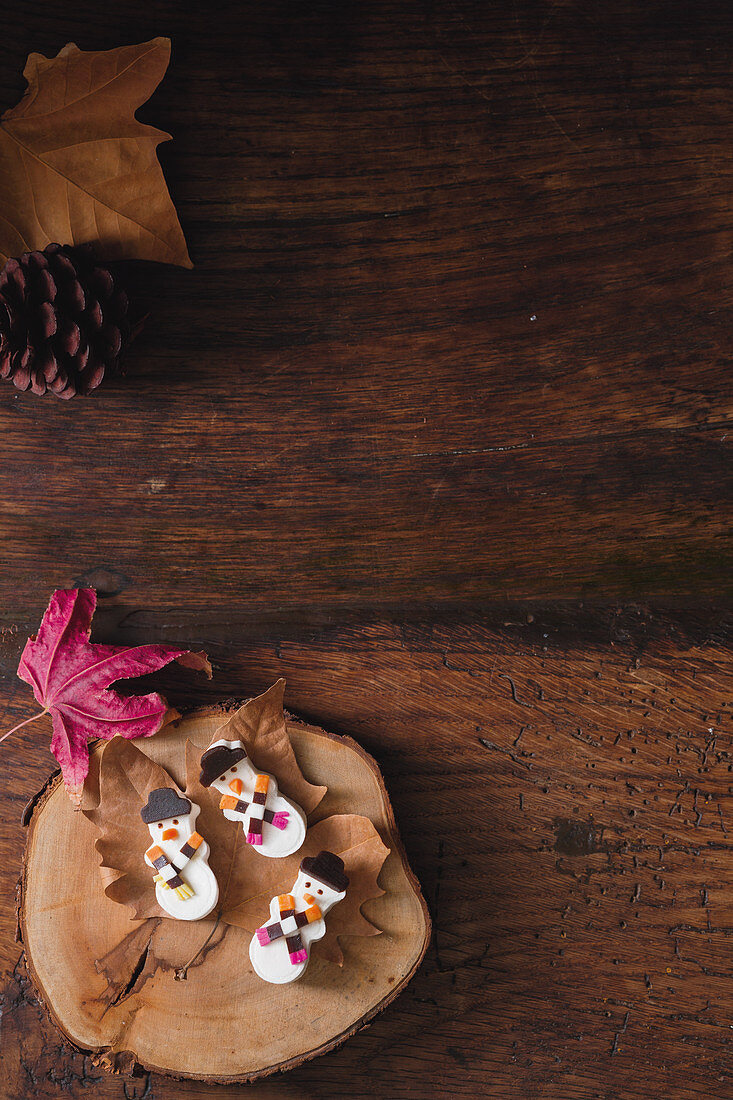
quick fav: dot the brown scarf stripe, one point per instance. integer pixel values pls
(295, 943)
(167, 874)
(275, 931)
(229, 802)
(293, 940)
(191, 846)
(165, 867)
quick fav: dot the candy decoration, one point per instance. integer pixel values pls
(167, 875)
(289, 924)
(279, 950)
(178, 847)
(274, 825)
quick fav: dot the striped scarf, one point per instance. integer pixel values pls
(167, 873)
(289, 926)
(255, 811)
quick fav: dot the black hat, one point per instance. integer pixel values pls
(328, 868)
(164, 803)
(216, 761)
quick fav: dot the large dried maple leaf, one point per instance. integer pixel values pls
(70, 677)
(246, 879)
(76, 166)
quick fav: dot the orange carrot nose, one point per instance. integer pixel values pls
(170, 834)
(236, 786)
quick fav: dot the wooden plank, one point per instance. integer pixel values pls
(457, 324)
(585, 877)
(455, 346)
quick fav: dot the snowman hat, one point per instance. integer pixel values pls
(218, 758)
(164, 803)
(328, 868)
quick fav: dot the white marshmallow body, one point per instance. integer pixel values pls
(196, 873)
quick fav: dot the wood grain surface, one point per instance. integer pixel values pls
(437, 428)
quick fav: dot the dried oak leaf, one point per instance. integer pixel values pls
(76, 166)
(350, 836)
(126, 778)
(261, 725)
(123, 776)
(246, 879)
(70, 677)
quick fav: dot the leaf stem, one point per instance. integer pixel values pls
(182, 971)
(21, 724)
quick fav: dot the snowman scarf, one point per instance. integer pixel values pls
(167, 873)
(255, 812)
(289, 926)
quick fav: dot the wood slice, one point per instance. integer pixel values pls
(96, 970)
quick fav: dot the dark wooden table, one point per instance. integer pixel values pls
(437, 428)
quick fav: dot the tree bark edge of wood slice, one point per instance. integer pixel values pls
(116, 1017)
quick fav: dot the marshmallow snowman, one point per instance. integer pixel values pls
(185, 886)
(279, 951)
(273, 824)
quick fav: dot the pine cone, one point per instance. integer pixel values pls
(63, 321)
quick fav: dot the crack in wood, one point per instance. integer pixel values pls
(507, 752)
(146, 1094)
(129, 986)
(619, 1033)
(513, 686)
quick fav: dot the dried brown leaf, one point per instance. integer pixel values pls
(77, 167)
(350, 836)
(247, 880)
(260, 724)
(126, 778)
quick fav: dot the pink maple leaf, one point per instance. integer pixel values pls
(70, 678)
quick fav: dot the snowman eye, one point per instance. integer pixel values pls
(160, 824)
(175, 820)
(307, 886)
(222, 777)
(233, 770)
(320, 891)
